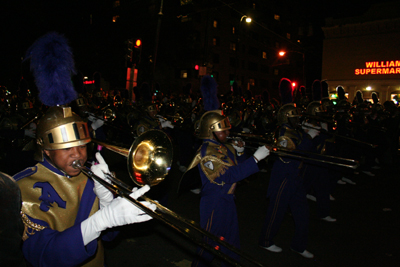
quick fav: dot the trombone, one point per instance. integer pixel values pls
(306, 155)
(343, 137)
(149, 159)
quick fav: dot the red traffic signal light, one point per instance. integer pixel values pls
(196, 67)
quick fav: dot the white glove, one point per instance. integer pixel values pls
(239, 149)
(167, 124)
(311, 129)
(324, 126)
(283, 143)
(30, 133)
(96, 123)
(261, 153)
(105, 196)
(118, 213)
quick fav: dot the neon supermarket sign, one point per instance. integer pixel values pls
(379, 67)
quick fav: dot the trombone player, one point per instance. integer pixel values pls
(221, 166)
(65, 214)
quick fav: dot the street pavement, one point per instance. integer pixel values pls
(367, 231)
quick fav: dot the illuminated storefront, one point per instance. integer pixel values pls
(362, 53)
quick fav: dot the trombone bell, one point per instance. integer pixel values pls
(149, 157)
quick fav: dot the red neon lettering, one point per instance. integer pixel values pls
(369, 64)
(373, 71)
(367, 71)
(378, 71)
(392, 71)
(397, 70)
(385, 71)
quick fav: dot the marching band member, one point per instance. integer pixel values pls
(65, 214)
(221, 166)
(285, 189)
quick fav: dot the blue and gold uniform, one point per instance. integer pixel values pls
(220, 171)
(220, 168)
(286, 190)
(53, 207)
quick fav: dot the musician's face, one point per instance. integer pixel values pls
(63, 158)
(222, 136)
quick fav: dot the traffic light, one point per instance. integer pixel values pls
(128, 52)
(137, 53)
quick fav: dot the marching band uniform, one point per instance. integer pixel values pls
(63, 211)
(53, 210)
(220, 169)
(286, 189)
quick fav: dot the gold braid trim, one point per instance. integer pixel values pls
(220, 171)
(30, 227)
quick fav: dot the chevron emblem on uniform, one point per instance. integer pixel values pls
(209, 165)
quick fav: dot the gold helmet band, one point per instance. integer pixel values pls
(212, 121)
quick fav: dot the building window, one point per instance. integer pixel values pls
(277, 17)
(276, 72)
(116, 3)
(185, 2)
(184, 74)
(233, 29)
(115, 18)
(232, 46)
(215, 24)
(215, 41)
(288, 35)
(252, 81)
(264, 55)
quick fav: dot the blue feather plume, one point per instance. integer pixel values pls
(52, 65)
(209, 92)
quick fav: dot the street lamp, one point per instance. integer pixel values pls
(248, 19)
(283, 53)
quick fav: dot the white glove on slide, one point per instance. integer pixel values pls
(312, 132)
(105, 196)
(261, 153)
(96, 123)
(167, 124)
(118, 213)
(238, 149)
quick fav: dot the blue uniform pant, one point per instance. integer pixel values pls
(290, 194)
(218, 216)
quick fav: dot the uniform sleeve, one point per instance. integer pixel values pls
(222, 173)
(52, 248)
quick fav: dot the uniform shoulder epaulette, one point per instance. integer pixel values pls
(25, 173)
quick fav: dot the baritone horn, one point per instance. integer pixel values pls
(149, 160)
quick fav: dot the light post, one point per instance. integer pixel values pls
(248, 20)
(283, 53)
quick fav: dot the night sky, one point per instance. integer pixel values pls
(24, 21)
